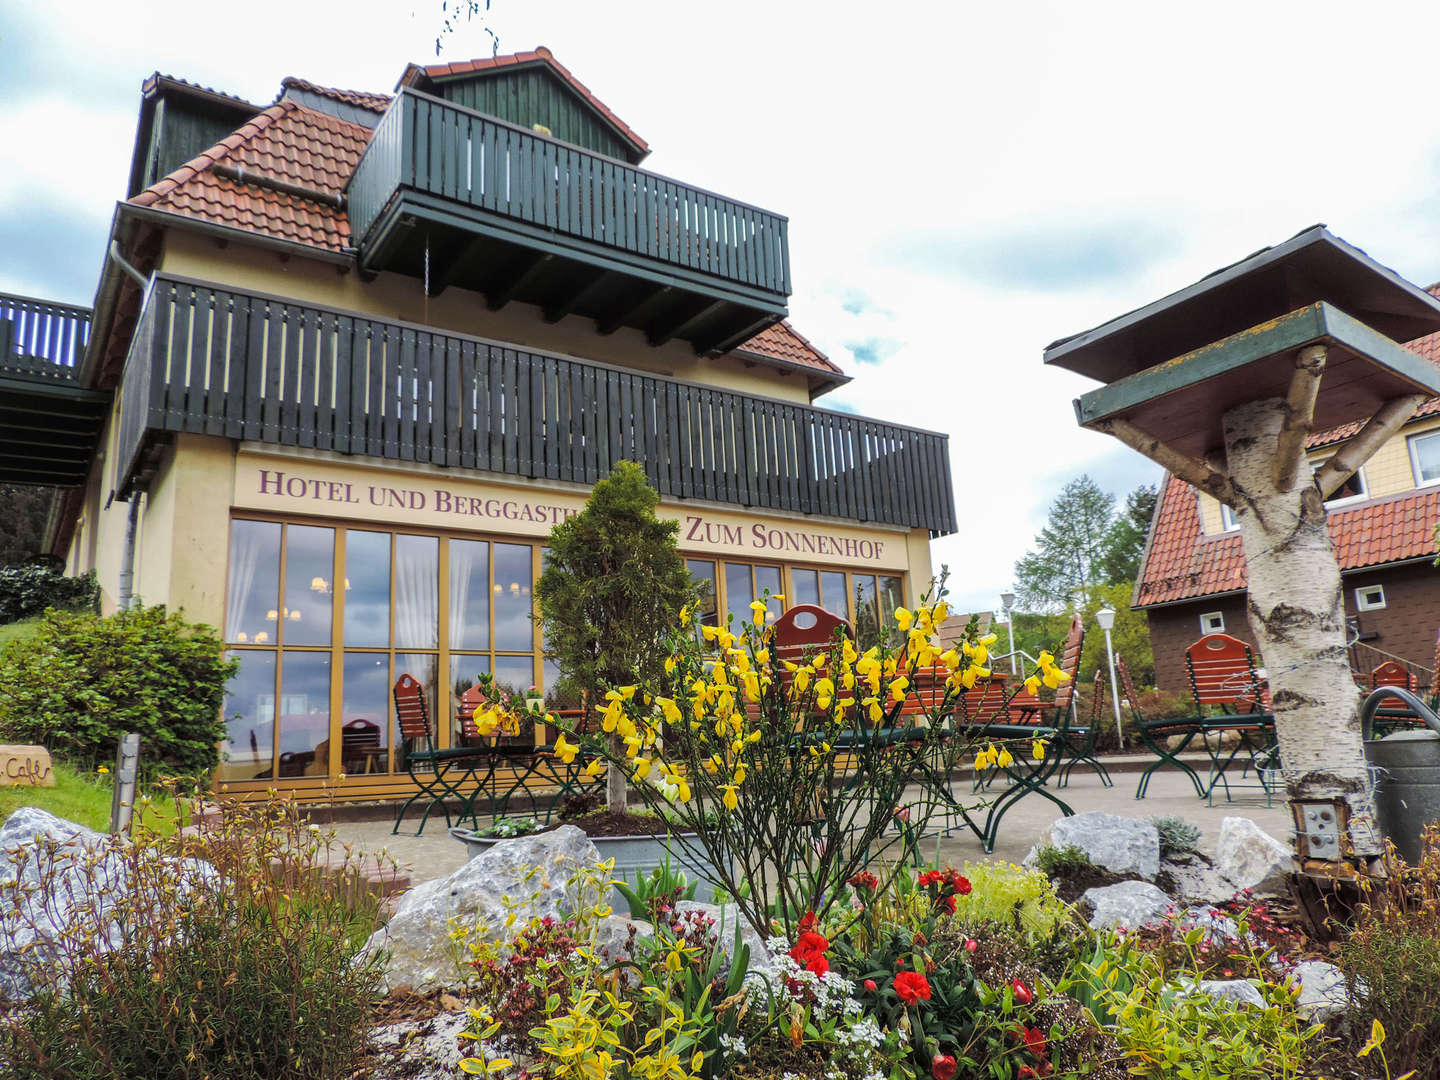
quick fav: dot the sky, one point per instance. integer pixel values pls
(965, 182)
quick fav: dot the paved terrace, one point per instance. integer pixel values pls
(436, 853)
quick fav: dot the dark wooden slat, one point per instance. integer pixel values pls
(454, 413)
(511, 400)
(555, 431)
(471, 406)
(325, 367)
(236, 366)
(349, 379)
(300, 366)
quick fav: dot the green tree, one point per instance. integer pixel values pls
(1125, 542)
(1069, 551)
(23, 511)
(1130, 635)
(612, 589)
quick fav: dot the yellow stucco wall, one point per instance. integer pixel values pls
(1388, 472)
(398, 296)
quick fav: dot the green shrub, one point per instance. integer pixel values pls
(1392, 960)
(1054, 861)
(81, 681)
(1012, 897)
(1177, 836)
(29, 589)
(251, 971)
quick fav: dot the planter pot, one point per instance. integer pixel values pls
(635, 857)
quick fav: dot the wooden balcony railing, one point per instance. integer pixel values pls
(43, 340)
(493, 169)
(220, 362)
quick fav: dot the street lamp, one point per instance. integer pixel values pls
(1106, 618)
(1007, 599)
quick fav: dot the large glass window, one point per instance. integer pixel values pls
(367, 589)
(309, 568)
(417, 592)
(514, 627)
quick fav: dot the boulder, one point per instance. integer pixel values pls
(61, 883)
(1121, 845)
(1218, 926)
(529, 876)
(1196, 879)
(1239, 991)
(1324, 992)
(727, 918)
(1251, 858)
(1130, 904)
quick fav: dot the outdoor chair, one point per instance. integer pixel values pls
(360, 749)
(1079, 746)
(438, 774)
(1155, 734)
(1223, 677)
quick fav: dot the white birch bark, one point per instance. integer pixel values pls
(1297, 615)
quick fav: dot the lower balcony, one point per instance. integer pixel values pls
(216, 361)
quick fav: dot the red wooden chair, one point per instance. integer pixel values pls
(429, 767)
(1224, 679)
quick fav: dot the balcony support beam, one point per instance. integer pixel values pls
(585, 290)
(457, 265)
(529, 271)
(682, 322)
(638, 309)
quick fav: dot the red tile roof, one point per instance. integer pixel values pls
(364, 99)
(1182, 563)
(783, 342)
(286, 142)
(540, 54)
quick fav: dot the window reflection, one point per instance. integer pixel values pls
(364, 705)
(832, 593)
(465, 669)
(367, 589)
(425, 669)
(805, 587)
(738, 592)
(470, 594)
(304, 714)
(417, 572)
(309, 588)
(514, 628)
(703, 571)
(254, 589)
(891, 598)
(250, 717)
(867, 611)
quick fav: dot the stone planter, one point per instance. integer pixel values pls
(635, 857)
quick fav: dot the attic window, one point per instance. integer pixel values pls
(1370, 598)
(1212, 622)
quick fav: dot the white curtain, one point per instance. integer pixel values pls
(247, 544)
(417, 600)
(469, 579)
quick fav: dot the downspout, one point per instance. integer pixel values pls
(121, 262)
(126, 597)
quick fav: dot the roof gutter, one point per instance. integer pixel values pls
(168, 219)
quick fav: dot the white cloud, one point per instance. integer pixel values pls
(1158, 141)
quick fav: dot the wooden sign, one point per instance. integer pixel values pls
(25, 766)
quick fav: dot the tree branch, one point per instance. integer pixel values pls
(1196, 473)
(1373, 435)
(1299, 411)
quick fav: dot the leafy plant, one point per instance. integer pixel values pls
(504, 828)
(227, 955)
(81, 681)
(1012, 898)
(1177, 836)
(662, 887)
(1055, 861)
(31, 588)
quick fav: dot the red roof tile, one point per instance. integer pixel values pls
(1182, 563)
(364, 99)
(783, 342)
(539, 55)
(286, 142)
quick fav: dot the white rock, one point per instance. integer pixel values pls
(1253, 859)
(1240, 991)
(1121, 845)
(1197, 880)
(530, 876)
(428, 1050)
(1218, 926)
(727, 918)
(1323, 990)
(1130, 904)
(61, 882)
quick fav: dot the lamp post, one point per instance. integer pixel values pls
(1006, 600)
(1106, 618)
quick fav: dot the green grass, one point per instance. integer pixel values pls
(83, 798)
(18, 630)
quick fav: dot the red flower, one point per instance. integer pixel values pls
(930, 877)
(809, 951)
(960, 883)
(817, 964)
(1022, 992)
(1035, 1041)
(947, 902)
(1026, 1073)
(912, 987)
(808, 923)
(943, 1067)
(865, 880)
(971, 944)
(870, 984)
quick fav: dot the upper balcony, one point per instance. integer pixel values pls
(49, 423)
(216, 361)
(456, 197)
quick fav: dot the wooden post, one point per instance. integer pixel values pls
(122, 801)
